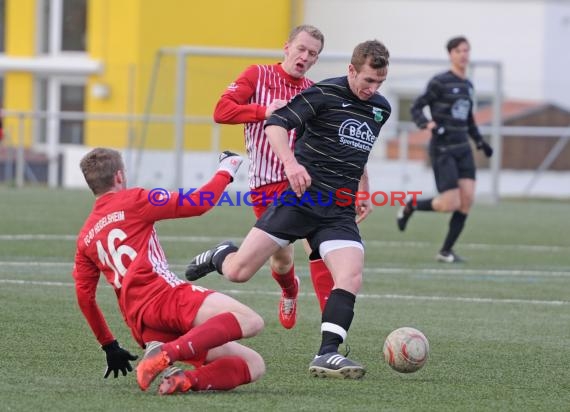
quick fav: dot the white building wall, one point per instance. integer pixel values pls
(531, 38)
(556, 60)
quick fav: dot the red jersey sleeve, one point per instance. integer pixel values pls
(234, 106)
(184, 204)
(86, 275)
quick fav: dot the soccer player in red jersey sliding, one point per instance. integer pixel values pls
(173, 319)
(251, 99)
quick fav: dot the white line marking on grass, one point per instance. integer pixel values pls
(39, 264)
(36, 282)
(360, 296)
(390, 271)
(474, 272)
(382, 243)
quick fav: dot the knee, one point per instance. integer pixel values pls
(352, 283)
(450, 204)
(466, 205)
(251, 324)
(281, 262)
(238, 274)
(256, 366)
(281, 265)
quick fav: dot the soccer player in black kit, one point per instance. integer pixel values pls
(449, 96)
(338, 120)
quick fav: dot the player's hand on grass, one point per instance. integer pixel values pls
(486, 147)
(118, 359)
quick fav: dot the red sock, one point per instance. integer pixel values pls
(214, 332)
(222, 374)
(322, 281)
(287, 282)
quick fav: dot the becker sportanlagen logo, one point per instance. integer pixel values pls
(356, 134)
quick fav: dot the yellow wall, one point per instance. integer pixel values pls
(113, 28)
(127, 34)
(20, 42)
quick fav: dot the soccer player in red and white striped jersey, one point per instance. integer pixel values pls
(257, 92)
(173, 319)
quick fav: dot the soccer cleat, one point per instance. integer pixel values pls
(334, 365)
(449, 256)
(203, 263)
(288, 308)
(404, 213)
(174, 380)
(154, 361)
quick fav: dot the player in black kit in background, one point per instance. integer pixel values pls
(449, 96)
(340, 120)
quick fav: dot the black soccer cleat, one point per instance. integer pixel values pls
(203, 263)
(449, 256)
(334, 365)
(404, 213)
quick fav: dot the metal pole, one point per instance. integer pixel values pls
(179, 105)
(131, 121)
(496, 138)
(20, 152)
(146, 117)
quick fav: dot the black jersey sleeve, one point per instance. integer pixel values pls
(473, 129)
(301, 108)
(432, 93)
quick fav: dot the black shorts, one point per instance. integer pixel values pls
(451, 163)
(315, 222)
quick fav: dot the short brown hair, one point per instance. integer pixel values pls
(312, 30)
(372, 52)
(99, 167)
(455, 42)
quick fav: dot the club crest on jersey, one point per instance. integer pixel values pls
(378, 116)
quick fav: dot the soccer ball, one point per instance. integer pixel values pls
(406, 350)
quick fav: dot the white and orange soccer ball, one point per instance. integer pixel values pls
(406, 350)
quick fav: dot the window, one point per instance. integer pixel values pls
(74, 24)
(63, 26)
(71, 100)
(59, 95)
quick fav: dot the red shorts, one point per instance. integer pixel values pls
(172, 314)
(263, 196)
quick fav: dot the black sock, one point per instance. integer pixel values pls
(424, 205)
(337, 317)
(221, 255)
(456, 224)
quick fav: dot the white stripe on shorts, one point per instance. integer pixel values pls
(331, 245)
(279, 241)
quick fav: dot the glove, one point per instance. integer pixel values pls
(486, 147)
(230, 162)
(117, 359)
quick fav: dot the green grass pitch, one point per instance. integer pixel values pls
(498, 326)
